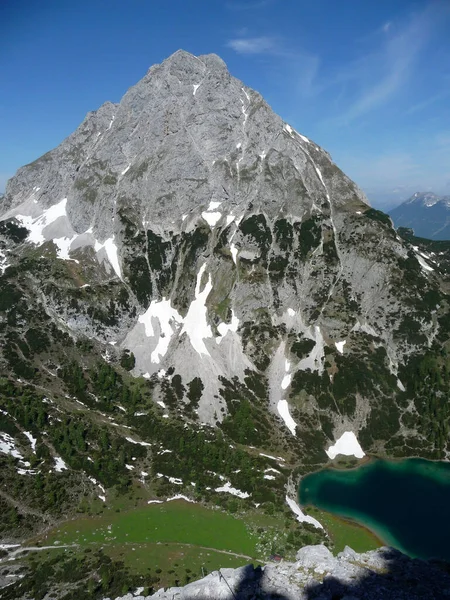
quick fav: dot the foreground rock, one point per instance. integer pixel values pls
(380, 574)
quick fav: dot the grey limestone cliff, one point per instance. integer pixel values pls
(383, 574)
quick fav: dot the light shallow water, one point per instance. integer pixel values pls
(406, 503)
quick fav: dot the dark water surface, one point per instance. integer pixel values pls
(406, 503)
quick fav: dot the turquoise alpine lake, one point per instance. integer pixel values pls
(406, 503)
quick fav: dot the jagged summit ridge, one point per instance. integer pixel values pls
(188, 119)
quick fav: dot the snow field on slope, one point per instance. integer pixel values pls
(162, 321)
(347, 445)
(301, 517)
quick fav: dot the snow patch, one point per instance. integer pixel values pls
(37, 225)
(195, 323)
(112, 254)
(3, 262)
(60, 465)
(423, 264)
(180, 497)
(292, 131)
(8, 446)
(136, 442)
(212, 217)
(340, 346)
(228, 489)
(291, 312)
(347, 445)
(224, 328)
(195, 87)
(166, 316)
(175, 480)
(234, 252)
(283, 410)
(301, 517)
(32, 439)
(272, 457)
(286, 382)
(214, 205)
(272, 470)
(400, 385)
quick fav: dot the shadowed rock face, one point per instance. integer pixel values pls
(383, 574)
(246, 256)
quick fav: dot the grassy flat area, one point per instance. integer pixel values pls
(175, 541)
(345, 533)
(170, 522)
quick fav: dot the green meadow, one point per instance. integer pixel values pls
(171, 543)
(345, 533)
(171, 522)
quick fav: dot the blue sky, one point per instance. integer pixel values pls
(367, 80)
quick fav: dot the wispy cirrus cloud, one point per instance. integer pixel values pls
(254, 45)
(302, 66)
(419, 106)
(375, 78)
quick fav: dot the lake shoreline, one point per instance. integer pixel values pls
(353, 522)
(388, 498)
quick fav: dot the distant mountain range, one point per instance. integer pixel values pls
(427, 214)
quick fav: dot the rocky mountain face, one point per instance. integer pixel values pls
(383, 574)
(186, 261)
(427, 214)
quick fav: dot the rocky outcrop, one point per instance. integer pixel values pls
(383, 574)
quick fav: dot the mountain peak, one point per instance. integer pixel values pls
(426, 213)
(190, 180)
(425, 198)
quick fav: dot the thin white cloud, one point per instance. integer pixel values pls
(419, 106)
(376, 78)
(255, 45)
(300, 67)
(381, 75)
